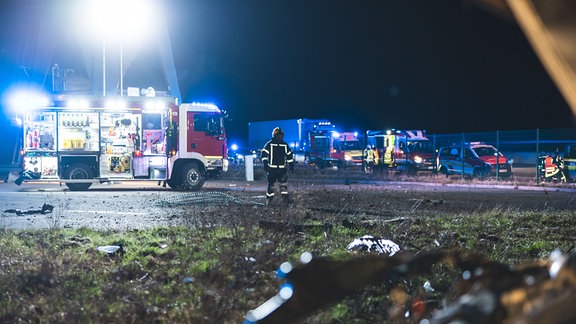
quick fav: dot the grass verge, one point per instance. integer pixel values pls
(216, 274)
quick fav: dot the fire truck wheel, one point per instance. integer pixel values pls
(192, 178)
(173, 184)
(79, 171)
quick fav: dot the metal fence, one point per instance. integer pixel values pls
(523, 146)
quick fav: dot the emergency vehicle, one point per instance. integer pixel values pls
(475, 159)
(329, 147)
(569, 158)
(83, 140)
(560, 167)
(403, 150)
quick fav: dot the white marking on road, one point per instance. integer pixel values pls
(105, 212)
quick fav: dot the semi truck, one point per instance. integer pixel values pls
(296, 134)
(79, 141)
(313, 141)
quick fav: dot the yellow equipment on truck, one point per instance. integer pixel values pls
(83, 140)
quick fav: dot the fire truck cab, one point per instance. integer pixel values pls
(328, 147)
(404, 150)
(80, 141)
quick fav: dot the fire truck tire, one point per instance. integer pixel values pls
(78, 171)
(192, 178)
(173, 184)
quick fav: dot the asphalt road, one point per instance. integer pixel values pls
(117, 206)
(134, 205)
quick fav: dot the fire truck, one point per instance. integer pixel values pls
(328, 147)
(404, 150)
(80, 141)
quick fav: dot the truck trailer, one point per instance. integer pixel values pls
(296, 134)
(314, 141)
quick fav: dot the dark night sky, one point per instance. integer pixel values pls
(370, 64)
(426, 64)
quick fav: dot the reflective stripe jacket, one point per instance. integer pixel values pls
(277, 154)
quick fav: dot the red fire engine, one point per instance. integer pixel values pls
(80, 141)
(328, 147)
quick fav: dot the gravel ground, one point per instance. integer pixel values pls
(328, 195)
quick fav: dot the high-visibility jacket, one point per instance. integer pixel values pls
(277, 154)
(369, 153)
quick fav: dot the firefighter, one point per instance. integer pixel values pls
(369, 159)
(376, 157)
(278, 160)
(554, 167)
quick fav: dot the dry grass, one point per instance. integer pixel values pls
(223, 263)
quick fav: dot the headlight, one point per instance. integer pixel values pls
(417, 159)
(348, 157)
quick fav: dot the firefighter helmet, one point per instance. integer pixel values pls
(277, 131)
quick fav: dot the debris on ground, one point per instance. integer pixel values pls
(46, 208)
(487, 291)
(111, 249)
(203, 197)
(369, 243)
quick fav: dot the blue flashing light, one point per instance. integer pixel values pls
(283, 270)
(19, 99)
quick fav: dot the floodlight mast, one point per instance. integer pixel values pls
(124, 26)
(104, 66)
(111, 37)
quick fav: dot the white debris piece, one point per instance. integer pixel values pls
(428, 286)
(369, 243)
(110, 249)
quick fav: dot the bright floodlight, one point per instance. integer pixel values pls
(117, 19)
(78, 103)
(116, 104)
(154, 106)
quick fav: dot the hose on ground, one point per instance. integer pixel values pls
(203, 197)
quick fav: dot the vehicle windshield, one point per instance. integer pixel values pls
(211, 124)
(350, 145)
(485, 151)
(420, 146)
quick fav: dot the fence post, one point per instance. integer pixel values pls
(249, 161)
(497, 155)
(462, 142)
(537, 155)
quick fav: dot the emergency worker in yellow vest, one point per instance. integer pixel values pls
(369, 158)
(376, 158)
(278, 160)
